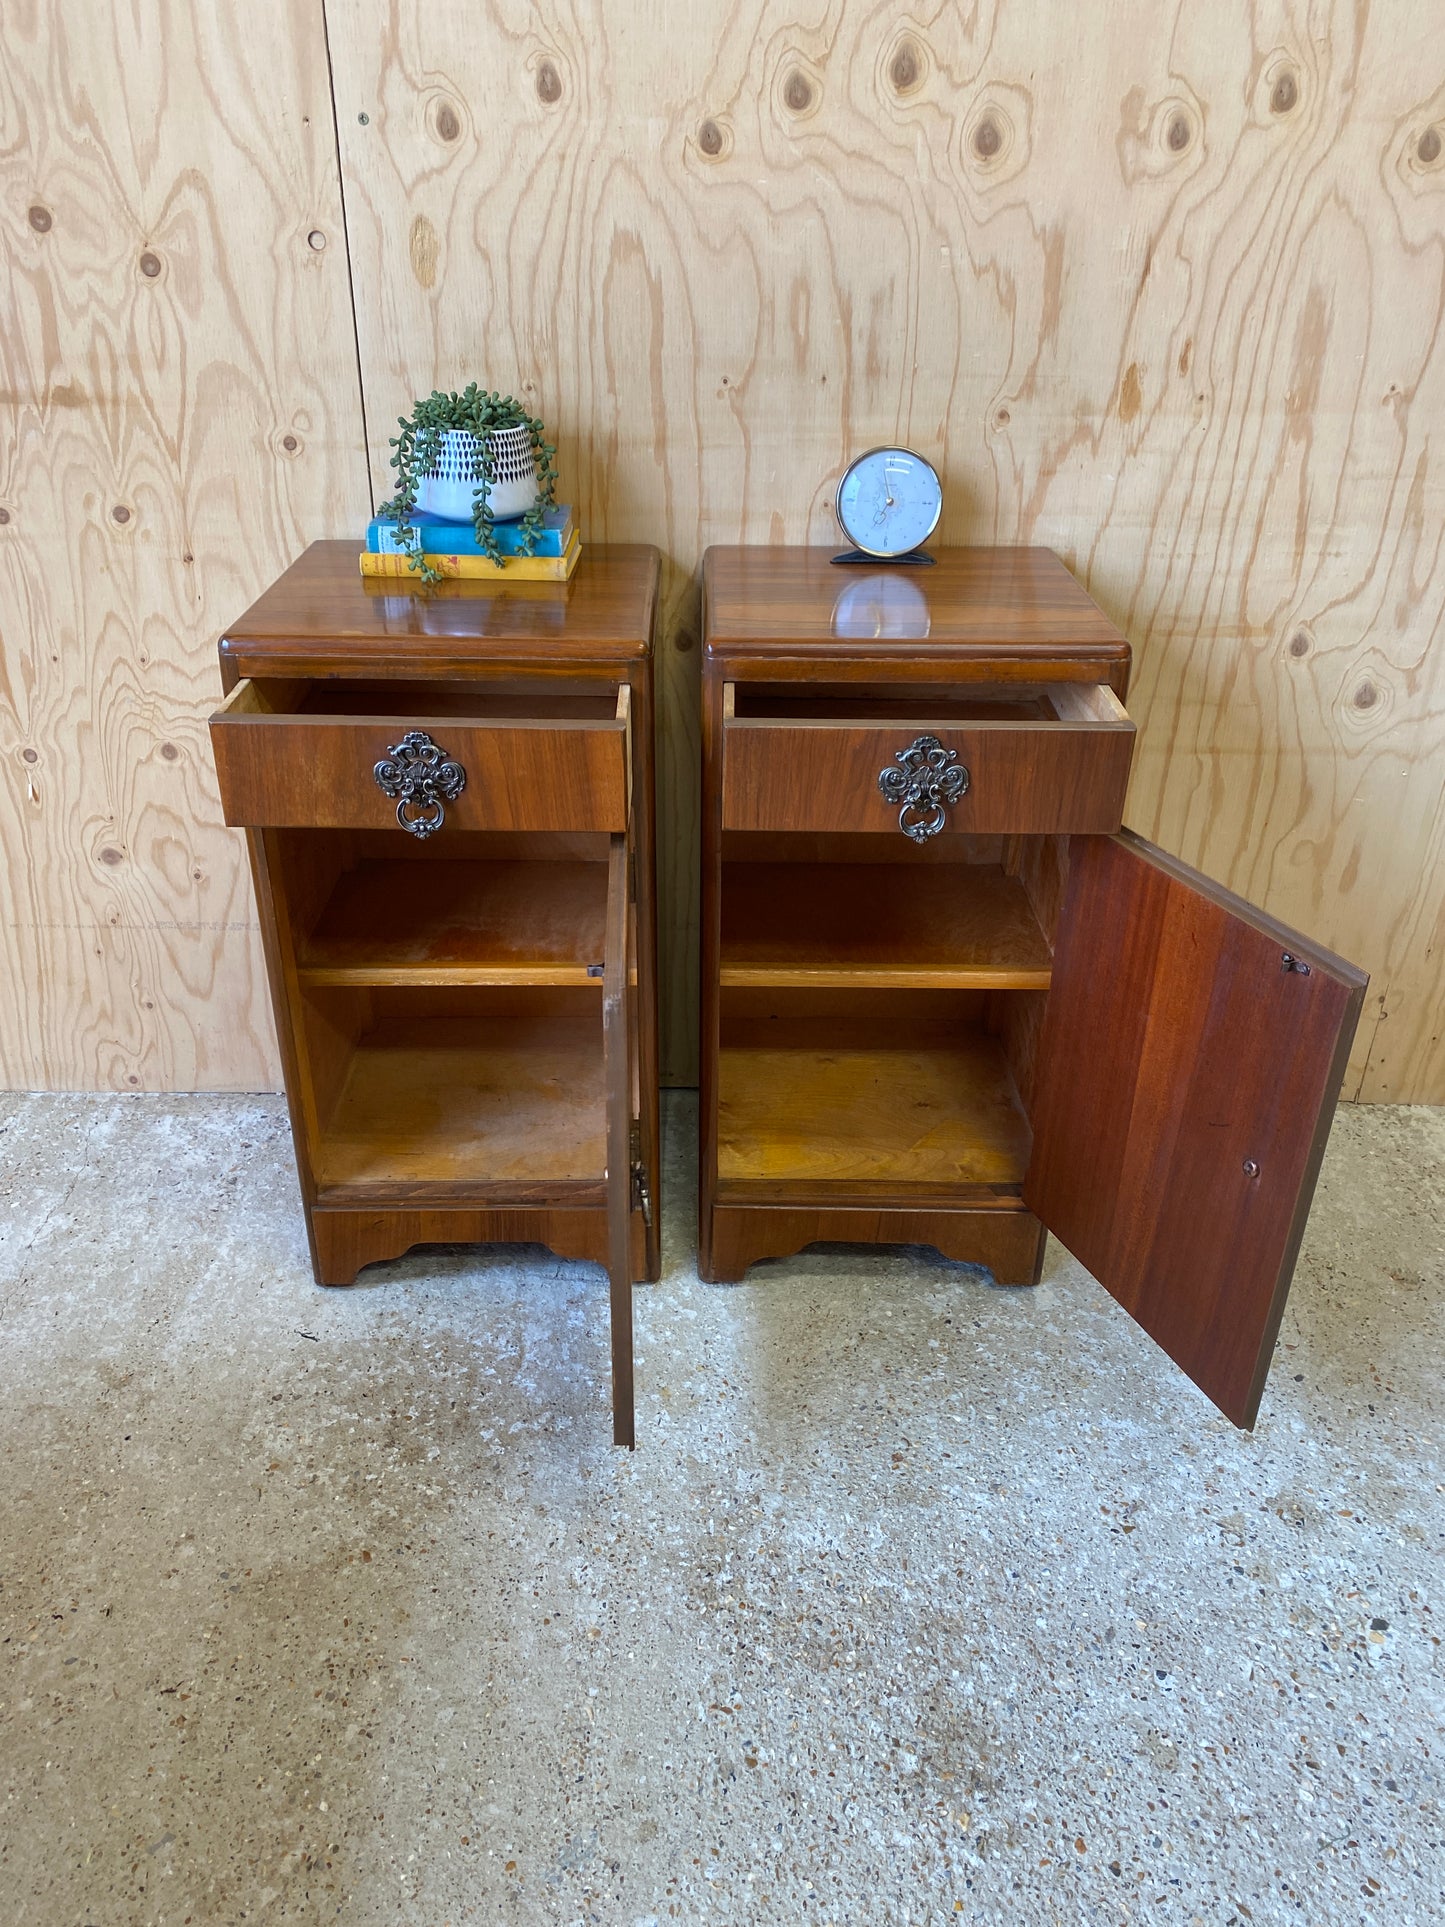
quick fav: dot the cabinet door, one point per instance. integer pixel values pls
(1191, 1056)
(619, 1044)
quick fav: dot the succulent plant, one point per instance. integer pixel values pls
(478, 413)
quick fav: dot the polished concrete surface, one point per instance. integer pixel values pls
(919, 1600)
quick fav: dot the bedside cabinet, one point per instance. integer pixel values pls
(449, 804)
(948, 1000)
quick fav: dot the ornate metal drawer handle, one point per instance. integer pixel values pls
(929, 777)
(422, 776)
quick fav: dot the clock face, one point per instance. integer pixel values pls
(889, 501)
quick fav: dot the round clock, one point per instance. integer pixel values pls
(889, 502)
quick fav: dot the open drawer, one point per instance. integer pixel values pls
(1028, 761)
(337, 755)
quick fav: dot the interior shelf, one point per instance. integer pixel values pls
(413, 920)
(917, 1105)
(895, 925)
(450, 1105)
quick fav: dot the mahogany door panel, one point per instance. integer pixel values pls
(281, 768)
(619, 1032)
(1065, 770)
(1191, 1058)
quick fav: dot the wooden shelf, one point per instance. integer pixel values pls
(458, 1106)
(894, 925)
(425, 920)
(906, 1114)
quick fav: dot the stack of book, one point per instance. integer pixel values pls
(452, 548)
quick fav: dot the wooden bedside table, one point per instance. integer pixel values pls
(946, 1000)
(449, 803)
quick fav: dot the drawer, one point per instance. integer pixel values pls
(1030, 762)
(337, 756)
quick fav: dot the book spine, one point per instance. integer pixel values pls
(459, 538)
(522, 568)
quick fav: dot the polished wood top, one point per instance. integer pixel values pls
(976, 602)
(323, 617)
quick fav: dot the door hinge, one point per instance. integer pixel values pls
(641, 1195)
(1288, 962)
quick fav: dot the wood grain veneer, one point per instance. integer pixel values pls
(1187, 1081)
(468, 1021)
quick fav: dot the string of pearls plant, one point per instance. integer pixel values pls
(472, 439)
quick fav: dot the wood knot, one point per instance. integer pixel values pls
(120, 513)
(4, 517)
(549, 84)
(905, 70)
(290, 444)
(987, 138)
(170, 752)
(150, 265)
(40, 219)
(30, 755)
(1131, 393)
(424, 246)
(709, 138)
(1002, 418)
(797, 94)
(1366, 696)
(1299, 643)
(1428, 146)
(1177, 134)
(686, 642)
(111, 856)
(316, 239)
(1284, 94)
(448, 124)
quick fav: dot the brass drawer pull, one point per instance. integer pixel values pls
(929, 778)
(420, 774)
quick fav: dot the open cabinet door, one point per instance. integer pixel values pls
(1191, 1056)
(619, 1035)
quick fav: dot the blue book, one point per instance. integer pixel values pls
(440, 537)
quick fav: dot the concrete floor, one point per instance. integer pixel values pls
(920, 1599)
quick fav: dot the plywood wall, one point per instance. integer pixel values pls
(181, 415)
(1157, 284)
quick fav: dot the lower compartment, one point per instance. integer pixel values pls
(436, 1096)
(888, 1091)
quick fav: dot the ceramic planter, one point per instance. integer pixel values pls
(447, 486)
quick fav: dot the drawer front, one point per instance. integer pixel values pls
(369, 772)
(987, 778)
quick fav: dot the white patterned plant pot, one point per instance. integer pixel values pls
(446, 487)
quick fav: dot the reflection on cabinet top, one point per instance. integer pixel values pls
(323, 617)
(973, 605)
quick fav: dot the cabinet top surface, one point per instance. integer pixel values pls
(1022, 602)
(324, 612)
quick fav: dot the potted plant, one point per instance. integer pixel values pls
(475, 456)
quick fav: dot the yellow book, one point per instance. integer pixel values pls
(515, 568)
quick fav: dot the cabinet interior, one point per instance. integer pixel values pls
(494, 699)
(924, 704)
(879, 1010)
(436, 1090)
(449, 1008)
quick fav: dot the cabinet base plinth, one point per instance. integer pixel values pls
(344, 1241)
(1009, 1243)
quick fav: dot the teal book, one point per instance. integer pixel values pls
(438, 537)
